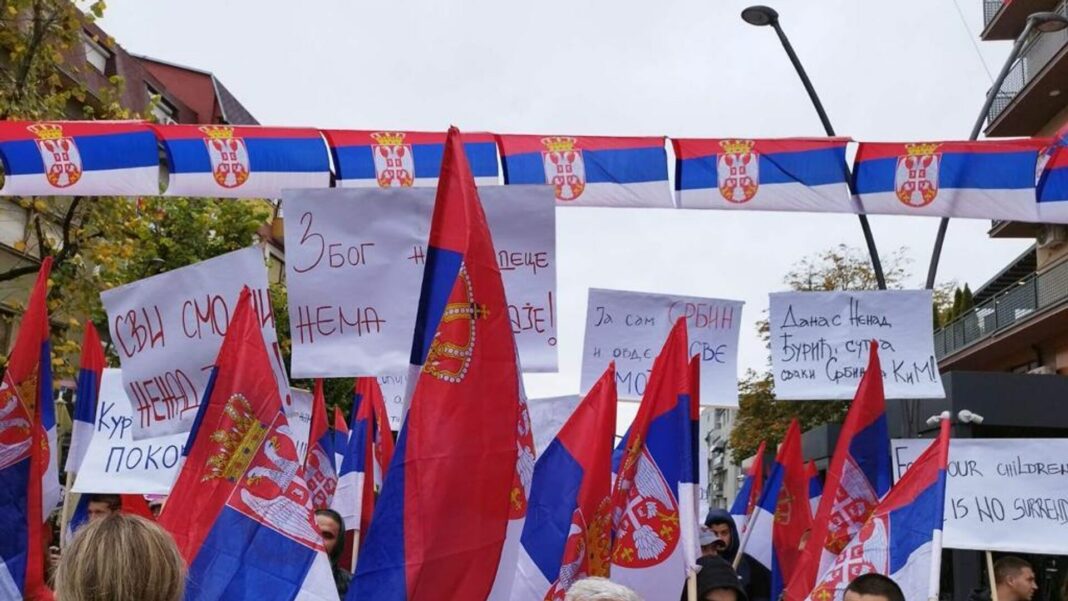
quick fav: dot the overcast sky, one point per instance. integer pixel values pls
(891, 71)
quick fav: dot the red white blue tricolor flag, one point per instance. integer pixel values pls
(402, 159)
(750, 491)
(240, 510)
(1053, 183)
(320, 473)
(653, 498)
(234, 161)
(90, 371)
(590, 171)
(29, 479)
(460, 475)
(75, 158)
(902, 538)
(799, 174)
(981, 180)
(783, 516)
(568, 532)
(858, 477)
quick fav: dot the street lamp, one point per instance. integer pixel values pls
(760, 16)
(1042, 22)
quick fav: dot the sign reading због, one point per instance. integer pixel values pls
(820, 341)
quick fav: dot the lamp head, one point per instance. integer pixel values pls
(760, 15)
(1047, 22)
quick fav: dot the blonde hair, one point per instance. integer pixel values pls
(599, 589)
(122, 557)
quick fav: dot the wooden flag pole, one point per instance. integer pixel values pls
(991, 576)
(691, 587)
(66, 511)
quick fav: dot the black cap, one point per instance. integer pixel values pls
(717, 573)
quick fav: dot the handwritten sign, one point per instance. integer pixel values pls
(394, 387)
(115, 462)
(820, 341)
(547, 416)
(298, 408)
(167, 330)
(630, 328)
(354, 271)
(1005, 494)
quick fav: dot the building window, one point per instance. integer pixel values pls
(162, 110)
(95, 54)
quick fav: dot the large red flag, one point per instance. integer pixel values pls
(452, 489)
(26, 451)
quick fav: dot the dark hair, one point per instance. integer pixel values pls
(876, 585)
(340, 521)
(114, 502)
(1008, 566)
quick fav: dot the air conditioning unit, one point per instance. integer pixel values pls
(1042, 370)
(1052, 236)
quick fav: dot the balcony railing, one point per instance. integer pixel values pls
(1035, 55)
(1024, 300)
(991, 8)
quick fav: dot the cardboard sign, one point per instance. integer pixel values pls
(630, 328)
(820, 341)
(115, 462)
(1005, 494)
(354, 270)
(547, 416)
(167, 330)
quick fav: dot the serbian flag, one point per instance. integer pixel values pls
(461, 471)
(29, 484)
(1053, 183)
(79, 158)
(402, 159)
(749, 494)
(366, 459)
(319, 471)
(240, 511)
(793, 174)
(902, 538)
(228, 161)
(591, 171)
(815, 486)
(341, 437)
(783, 516)
(90, 370)
(653, 492)
(568, 534)
(980, 180)
(857, 479)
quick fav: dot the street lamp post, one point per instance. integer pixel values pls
(765, 15)
(1042, 22)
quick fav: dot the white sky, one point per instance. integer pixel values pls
(906, 70)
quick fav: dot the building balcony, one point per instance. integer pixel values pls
(1005, 19)
(1008, 325)
(1036, 88)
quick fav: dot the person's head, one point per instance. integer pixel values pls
(1015, 579)
(121, 557)
(717, 581)
(599, 589)
(721, 524)
(332, 529)
(873, 587)
(708, 542)
(101, 506)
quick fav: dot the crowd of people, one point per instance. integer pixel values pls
(118, 556)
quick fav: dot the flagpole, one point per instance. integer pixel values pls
(65, 513)
(691, 587)
(991, 576)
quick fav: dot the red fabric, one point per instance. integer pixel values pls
(793, 512)
(242, 368)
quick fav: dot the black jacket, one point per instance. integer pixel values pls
(756, 579)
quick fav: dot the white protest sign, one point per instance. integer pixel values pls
(167, 330)
(354, 270)
(114, 462)
(547, 416)
(1005, 494)
(630, 328)
(393, 389)
(298, 408)
(820, 341)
